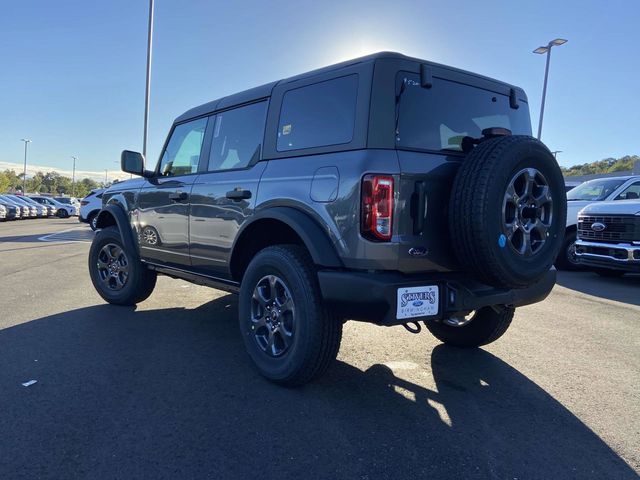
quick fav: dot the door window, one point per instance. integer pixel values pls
(182, 155)
(632, 192)
(237, 137)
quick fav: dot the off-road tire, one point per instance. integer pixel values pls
(563, 262)
(476, 215)
(486, 326)
(317, 332)
(140, 282)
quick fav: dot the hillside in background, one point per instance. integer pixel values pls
(608, 165)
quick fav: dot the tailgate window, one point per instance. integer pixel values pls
(438, 118)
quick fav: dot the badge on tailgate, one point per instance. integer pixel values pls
(417, 302)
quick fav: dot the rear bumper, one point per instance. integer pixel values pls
(617, 256)
(373, 297)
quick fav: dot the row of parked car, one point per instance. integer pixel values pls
(16, 207)
(603, 227)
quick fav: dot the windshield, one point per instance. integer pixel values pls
(18, 200)
(438, 118)
(595, 190)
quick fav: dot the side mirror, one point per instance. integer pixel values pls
(132, 162)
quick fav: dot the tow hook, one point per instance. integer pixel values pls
(413, 327)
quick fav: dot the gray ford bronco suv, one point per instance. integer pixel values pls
(385, 189)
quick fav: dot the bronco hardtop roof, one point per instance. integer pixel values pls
(265, 90)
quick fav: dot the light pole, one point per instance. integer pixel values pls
(24, 178)
(106, 177)
(148, 83)
(555, 153)
(73, 177)
(540, 50)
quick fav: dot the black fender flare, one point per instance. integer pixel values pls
(122, 222)
(316, 240)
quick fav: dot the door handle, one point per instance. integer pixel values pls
(239, 194)
(178, 196)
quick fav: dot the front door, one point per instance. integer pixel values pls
(224, 197)
(162, 216)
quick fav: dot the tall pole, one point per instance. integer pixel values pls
(24, 177)
(73, 178)
(106, 178)
(544, 92)
(148, 84)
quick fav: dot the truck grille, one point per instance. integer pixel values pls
(618, 228)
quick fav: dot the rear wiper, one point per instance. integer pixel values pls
(403, 87)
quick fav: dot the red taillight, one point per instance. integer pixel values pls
(377, 207)
(84, 202)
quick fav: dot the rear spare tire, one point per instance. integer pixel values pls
(507, 211)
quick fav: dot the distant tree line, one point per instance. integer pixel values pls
(49, 182)
(608, 165)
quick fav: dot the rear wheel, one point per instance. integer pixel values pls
(479, 328)
(290, 336)
(93, 221)
(116, 272)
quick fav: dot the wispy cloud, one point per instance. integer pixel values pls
(98, 176)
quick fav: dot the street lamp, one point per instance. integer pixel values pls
(540, 50)
(148, 80)
(73, 177)
(24, 178)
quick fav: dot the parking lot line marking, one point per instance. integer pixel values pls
(69, 235)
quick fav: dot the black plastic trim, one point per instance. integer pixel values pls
(372, 297)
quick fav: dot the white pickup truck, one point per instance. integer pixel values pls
(598, 190)
(609, 237)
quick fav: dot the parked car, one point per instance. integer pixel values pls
(34, 211)
(386, 189)
(609, 237)
(598, 190)
(90, 207)
(68, 201)
(62, 210)
(24, 211)
(13, 211)
(43, 210)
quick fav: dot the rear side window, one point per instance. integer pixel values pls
(237, 137)
(438, 118)
(318, 115)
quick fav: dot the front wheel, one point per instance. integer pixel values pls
(62, 213)
(474, 330)
(567, 258)
(116, 273)
(289, 335)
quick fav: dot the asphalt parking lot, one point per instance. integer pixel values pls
(165, 390)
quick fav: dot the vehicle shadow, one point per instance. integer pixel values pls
(622, 289)
(171, 394)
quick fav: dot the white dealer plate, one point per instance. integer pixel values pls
(417, 302)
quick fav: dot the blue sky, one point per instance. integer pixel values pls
(72, 72)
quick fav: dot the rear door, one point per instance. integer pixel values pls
(162, 217)
(223, 197)
(431, 124)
